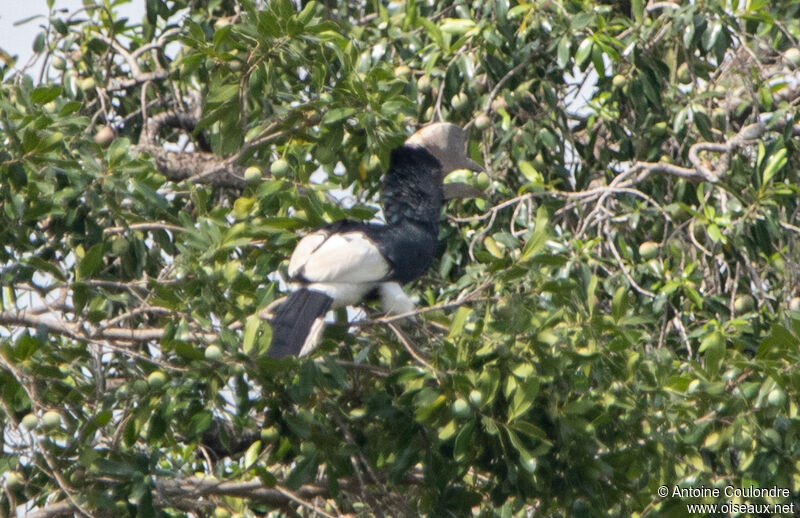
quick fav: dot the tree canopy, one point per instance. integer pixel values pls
(622, 313)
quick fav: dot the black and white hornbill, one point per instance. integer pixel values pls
(342, 263)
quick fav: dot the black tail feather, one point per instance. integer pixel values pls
(295, 320)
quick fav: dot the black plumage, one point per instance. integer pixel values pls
(341, 263)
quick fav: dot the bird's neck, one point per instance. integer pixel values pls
(412, 193)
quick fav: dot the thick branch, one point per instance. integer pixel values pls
(56, 326)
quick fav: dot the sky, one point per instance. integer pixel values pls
(19, 40)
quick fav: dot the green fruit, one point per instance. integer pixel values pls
(424, 84)
(221, 512)
(14, 480)
(475, 397)
(482, 181)
(659, 129)
(459, 101)
(87, 83)
(270, 434)
(461, 408)
(776, 397)
(51, 419)
(648, 250)
(482, 122)
(252, 174)
(280, 167)
(59, 63)
(743, 304)
(325, 155)
(619, 81)
(402, 71)
(29, 422)
(213, 353)
(140, 387)
(157, 379)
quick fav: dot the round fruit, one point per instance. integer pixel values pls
(402, 71)
(270, 434)
(280, 167)
(157, 379)
(14, 479)
(482, 121)
(660, 129)
(221, 512)
(325, 155)
(461, 408)
(51, 419)
(792, 57)
(87, 83)
(743, 304)
(648, 250)
(794, 304)
(104, 136)
(499, 104)
(424, 84)
(475, 397)
(252, 174)
(29, 422)
(213, 353)
(482, 181)
(459, 101)
(776, 397)
(59, 63)
(140, 386)
(619, 81)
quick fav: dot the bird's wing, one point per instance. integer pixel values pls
(348, 257)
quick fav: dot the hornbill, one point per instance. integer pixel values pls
(343, 262)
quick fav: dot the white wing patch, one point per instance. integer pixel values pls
(307, 246)
(348, 258)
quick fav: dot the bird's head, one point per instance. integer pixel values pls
(447, 143)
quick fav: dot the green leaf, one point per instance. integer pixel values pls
(251, 455)
(527, 461)
(460, 318)
(530, 173)
(584, 52)
(250, 333)
(456, 26)
(45, 94)
(524, 396)
(337, 114)
(774, 164)
(90, 261)
(222, 93)
(564, 46)
(713, 345)
(539, 237)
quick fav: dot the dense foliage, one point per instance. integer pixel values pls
(621, 314)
